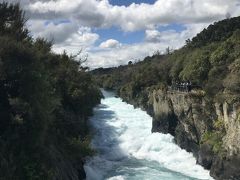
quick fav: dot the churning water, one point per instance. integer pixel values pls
(127, 150)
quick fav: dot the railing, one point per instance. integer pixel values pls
(183, 87)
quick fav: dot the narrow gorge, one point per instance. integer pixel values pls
(127, 150)
(119, 90)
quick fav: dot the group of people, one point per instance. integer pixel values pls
(182, 86)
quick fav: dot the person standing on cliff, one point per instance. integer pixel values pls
(189, 86)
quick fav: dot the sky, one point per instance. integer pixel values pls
(113, 32)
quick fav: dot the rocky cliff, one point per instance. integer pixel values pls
(210, 130)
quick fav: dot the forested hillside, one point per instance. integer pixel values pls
(45, 101)
(210, 60)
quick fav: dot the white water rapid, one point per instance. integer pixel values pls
(127, 150)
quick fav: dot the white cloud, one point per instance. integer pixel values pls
(85, 35)
(153, 35)
(65, 36)
(51, 31)
(63, 6)
(85, 15)
(95, 13)
(137, 51)
(83, 39)
(110, 43)
(120, 56)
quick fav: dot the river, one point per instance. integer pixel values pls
(127, 150)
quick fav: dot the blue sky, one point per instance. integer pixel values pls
(112, 32)
(137, 36)
(121, 36)
(133, 37)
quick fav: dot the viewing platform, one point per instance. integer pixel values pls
(185, 87)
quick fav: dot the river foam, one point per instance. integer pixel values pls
(127, 150)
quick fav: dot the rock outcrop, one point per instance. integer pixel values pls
(210, 130)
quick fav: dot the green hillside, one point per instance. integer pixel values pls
(210, 60)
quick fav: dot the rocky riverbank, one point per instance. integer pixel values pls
(210, 130)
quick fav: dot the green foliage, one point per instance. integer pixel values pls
(34, 172)
(214, 139)
(219, 31)
(80, 147)
(197, 94)
(232, 82)
(45, 100)
(197, 68)
(219, 125)
(12, 22)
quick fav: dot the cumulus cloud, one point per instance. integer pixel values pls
(70, 25)
(137, 51)
(153, 35)
(111, 43)
(83, 39)
(52, 31)
(120, 56)
(85, 35)
(136, 16)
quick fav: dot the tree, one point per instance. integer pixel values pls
(157, 53)
(12, 21)
(130, 63)
(188, 41)
(45, 100)
(228, 15)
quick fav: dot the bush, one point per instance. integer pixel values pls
(45, 100)
(214, 139)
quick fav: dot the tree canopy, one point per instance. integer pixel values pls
(45, 100)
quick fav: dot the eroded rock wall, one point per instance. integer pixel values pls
(191, 118)
(210, 130)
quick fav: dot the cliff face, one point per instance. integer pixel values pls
(186, 117)
(210, 130)
(230, 115)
